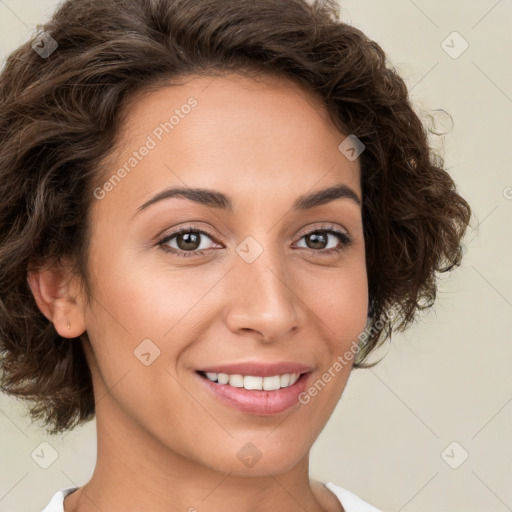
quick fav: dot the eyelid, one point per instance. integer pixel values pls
(324, 227)
(162, 239)
(188, 227)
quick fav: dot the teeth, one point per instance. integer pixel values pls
(285, 380)
(236, 381)
(251, 382)
(271, 383)
(223, 378)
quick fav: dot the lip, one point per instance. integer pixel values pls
(257, 402)
(256, 369)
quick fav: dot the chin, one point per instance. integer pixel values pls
(257, 457)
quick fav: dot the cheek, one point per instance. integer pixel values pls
(147, 315)
(144, 295)
(340, 299)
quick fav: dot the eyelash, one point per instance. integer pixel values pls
(345, 240)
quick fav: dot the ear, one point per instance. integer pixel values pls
(57, 295)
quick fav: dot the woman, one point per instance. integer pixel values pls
(211, 212)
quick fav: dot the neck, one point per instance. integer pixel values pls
(134, 471)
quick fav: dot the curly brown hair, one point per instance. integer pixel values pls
(60, 114)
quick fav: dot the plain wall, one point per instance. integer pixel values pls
(445, 380)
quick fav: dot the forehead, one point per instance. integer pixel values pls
(263, 103)
(244, 136)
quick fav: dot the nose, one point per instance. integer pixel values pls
(262, 298)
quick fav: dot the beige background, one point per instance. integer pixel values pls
(446, 380)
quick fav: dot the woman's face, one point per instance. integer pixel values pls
(263, 285)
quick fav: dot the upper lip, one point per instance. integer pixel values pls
(261, 369)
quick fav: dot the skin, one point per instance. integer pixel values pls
(164, 442)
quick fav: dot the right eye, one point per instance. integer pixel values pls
(190, 240)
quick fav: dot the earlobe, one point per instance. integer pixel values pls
(53, 293)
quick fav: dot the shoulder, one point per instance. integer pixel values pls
(350, 501)
(57, 502)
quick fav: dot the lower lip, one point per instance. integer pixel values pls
(264, 403)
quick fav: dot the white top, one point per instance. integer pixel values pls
(350, 502)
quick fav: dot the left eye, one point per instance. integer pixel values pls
(321, 236)
(187, 241)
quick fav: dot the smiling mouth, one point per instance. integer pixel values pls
(252, 382)
(256, 395)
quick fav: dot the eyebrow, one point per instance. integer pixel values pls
(216, 199)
